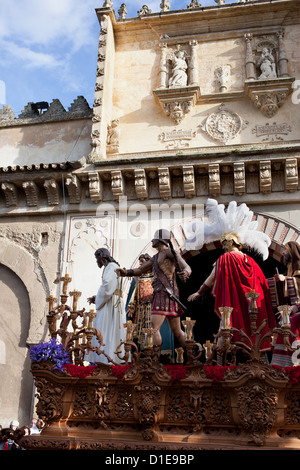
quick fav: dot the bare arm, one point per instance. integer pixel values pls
(183, 265)
(144, 268)
(207, 284)
(185, 270)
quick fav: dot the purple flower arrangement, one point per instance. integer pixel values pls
(51, 351)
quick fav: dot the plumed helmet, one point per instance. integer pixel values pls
(235, 223)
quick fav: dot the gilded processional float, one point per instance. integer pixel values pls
(205, 399)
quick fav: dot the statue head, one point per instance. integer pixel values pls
(230, 242)
(103, 257)
(161, 236)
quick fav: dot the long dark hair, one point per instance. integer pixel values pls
(105, 255)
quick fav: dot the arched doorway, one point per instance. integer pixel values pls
(16, 381)
(22, 323)
(201, 262)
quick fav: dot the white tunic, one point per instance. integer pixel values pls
(110, 316)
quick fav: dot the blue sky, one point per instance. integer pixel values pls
(49, 48)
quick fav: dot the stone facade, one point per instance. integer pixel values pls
(189, 104)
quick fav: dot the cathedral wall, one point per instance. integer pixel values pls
(141, 111)
(31, 249)
(29, 255)
(52, 142)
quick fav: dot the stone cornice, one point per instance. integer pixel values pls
(42, 167)
(211, 19)
(245, 177)
(202, 154)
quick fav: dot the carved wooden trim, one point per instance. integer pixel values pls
(147, 409)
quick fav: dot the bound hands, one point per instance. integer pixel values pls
(183, 275)
(125, 272)
(91, 300)
(130, 311)
(279, 277)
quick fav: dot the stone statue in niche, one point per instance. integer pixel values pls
(266, 64)
(113, 134)
(179, 70)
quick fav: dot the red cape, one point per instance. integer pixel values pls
(236, 275)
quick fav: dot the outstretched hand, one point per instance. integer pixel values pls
(120, 272)
(193, 297)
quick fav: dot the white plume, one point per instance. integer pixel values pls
(235, 219)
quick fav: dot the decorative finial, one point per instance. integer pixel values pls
(122, 12)
(108, 4)
(165, 5)
(145, 10)
(194, 4)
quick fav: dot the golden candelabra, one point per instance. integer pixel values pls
(208, 348)
(189, 325)
(285, 311)
(252, 297)
(130, 348)
(78, 338)
(179, 355)
(224, 345)
(190, 345)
